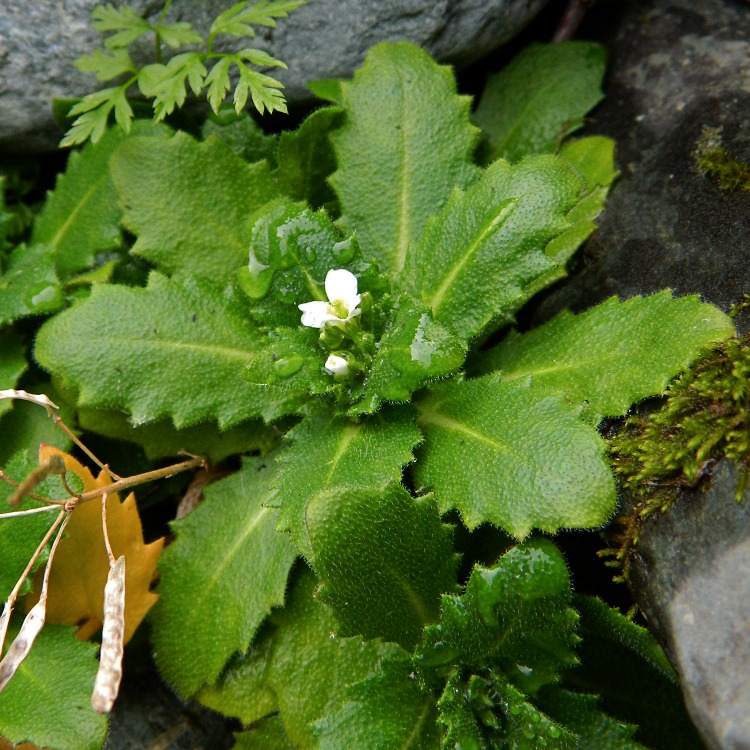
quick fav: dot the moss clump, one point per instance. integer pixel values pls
(713, 160)
(705, 416)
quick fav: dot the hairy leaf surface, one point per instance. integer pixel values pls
(48, 701)
(540, 97)
(328, 452)
(12, 364)
(474, 259)
(405, 144)
(387, 710)
(187, 202)
(615, 354)
(384, 558)
(81, 216)
(515, 616)
(171, 350)
(267, 734)
(301, 652)
(220, 578)
(29, 284)
(512, 455)
(243, 135)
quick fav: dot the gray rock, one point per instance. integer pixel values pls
(691, 572)
(675, 67)
(326, 38)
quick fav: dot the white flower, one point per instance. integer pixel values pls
(336, 365)
(342, 305)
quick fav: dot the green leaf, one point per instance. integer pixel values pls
(26, 426)
(19, 537)
(593, 159)
(94, 110)
(623, 663)
(460, 726)
(167, 84)
(240, 18)
(218, 82)
(300, 653)
(306, 159)
(514, 456)
(242, 134)
(327, 89)
(328, 451)
(413, 350)
(12, 364)
(615, 354)
(581, 715)
(384, 558)
(170, 350)
(81, 216)
(106, 65)
(540, 98)
(388, 710)
(515, 616)
(220, 578)
(162, 439)
(29, 285)
(291, 250)
(476, 257)
(48, 701)
(267, 734)
(394, 172)
(187, 202)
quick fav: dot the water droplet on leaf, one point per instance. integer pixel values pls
(344, 251)
(287, 366)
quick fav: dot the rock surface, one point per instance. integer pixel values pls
(691, 571)
(326, 38)
(675, 67)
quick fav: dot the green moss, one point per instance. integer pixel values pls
(713, 160)
(705, 416)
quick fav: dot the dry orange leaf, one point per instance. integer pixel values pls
(5, 745)
(80, 568)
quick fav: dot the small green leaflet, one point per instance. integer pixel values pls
(125, 21)
(615, 354)
(81, 216)
(512, 455)
(275, 668)
(394, 171)
(475, 258)
(240, 18)
(328, 451)
(540, 97)
(187, 202)
(219, 580)
(29, 285)
(48, 701)
(384, 559)
(387, 710)
(12, 364)
(456, 716)
(167, 84)
(169, 350)
(515, 616)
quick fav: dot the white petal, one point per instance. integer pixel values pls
(337, 365)
(315, 314)
(342, 285)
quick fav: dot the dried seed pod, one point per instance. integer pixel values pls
(21, 646)
(109, 675)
